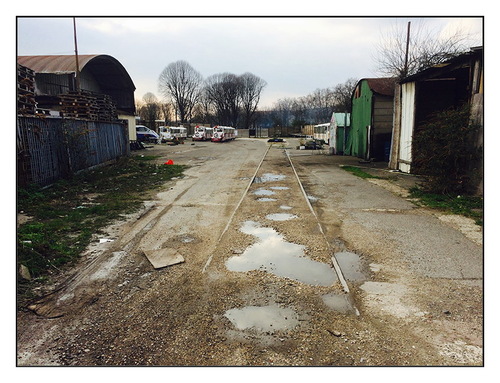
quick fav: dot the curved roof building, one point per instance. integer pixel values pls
(55, 75)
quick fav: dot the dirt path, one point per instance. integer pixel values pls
(266, 291)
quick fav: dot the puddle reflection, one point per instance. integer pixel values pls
(339, 303)
(280, 216)
(350, 264)
(274, 255)
(269, 177)
(266, 318)
(263, 192)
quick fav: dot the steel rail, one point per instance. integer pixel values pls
(334, 260)
(237, 207)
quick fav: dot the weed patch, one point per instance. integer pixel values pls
(66, 215)
(468, 206)
(358, 172)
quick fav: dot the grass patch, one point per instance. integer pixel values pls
(468, 206)
(358, 172)
(66, 215)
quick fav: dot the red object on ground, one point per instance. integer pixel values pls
(169, 162)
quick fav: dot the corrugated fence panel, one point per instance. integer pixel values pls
(52, 148)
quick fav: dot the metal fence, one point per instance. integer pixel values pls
(52, 148)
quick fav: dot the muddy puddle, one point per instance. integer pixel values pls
(340, 303)
(263, 318)
(263, 192)
(280, 217)
(269, 177)
(273, 254)
(351, 266)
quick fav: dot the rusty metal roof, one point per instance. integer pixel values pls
(105, 68)
(55, 64)
(383, 86)
(108, 72)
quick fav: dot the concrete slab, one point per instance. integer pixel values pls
(163, 257)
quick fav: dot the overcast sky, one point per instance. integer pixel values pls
(294, 56)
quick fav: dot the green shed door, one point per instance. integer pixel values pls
(340, 149)
(360, 120)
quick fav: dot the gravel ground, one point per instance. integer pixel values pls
(414, 282)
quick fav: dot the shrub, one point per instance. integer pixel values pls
(446, 154)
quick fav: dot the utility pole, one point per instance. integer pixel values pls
(76, 57)
(405, 73)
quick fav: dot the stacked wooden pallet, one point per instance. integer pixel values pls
(25, 90)
(87, 105)
(106, 108)
(79, 105)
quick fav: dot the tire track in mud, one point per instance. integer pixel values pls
(64, 298)
(138, 234)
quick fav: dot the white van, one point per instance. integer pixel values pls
(172, 133)
(146, 134)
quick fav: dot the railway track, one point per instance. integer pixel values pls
(271, 164)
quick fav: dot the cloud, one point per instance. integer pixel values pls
(294, 55)
(130, 26)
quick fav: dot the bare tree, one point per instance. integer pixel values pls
(342, 94)
(320, 104)
(299, 111)
(408, 49)
(182, 83)
(150, 110)
(167, 111)
(224, 92)
(282, 112)
(251, 88)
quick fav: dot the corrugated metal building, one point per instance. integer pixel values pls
(450, 84)
(101, 74)
(339, 131)
(371, 119)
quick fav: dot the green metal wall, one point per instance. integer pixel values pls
(360, 119)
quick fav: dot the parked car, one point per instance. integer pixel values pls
(275, 139)
(146, 134)
(313, 144)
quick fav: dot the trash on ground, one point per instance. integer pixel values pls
(160, 258)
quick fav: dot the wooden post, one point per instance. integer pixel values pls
(396, 129)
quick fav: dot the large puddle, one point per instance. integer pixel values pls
(263, 318)
(274, 255)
